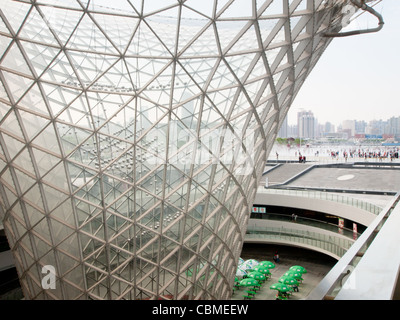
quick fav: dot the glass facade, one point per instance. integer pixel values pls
(133, 138)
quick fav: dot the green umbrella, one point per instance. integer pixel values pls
(293, 274)
(288, 280)
(268, 264)
(256, 275)
(298, 269)
(262, 269)
(280, 287)
(248, 282)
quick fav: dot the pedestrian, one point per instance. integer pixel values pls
(295, 217)
(276, 257)
(292, 216)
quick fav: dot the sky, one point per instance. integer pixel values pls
(357, 78)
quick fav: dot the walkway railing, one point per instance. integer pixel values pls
(334, 244)
(309, 222)
(325, 196)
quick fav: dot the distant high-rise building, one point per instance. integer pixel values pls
(349, 126)
(306, 124)
(360, 127)
(329, 127)
(283, 131)
(393, 125)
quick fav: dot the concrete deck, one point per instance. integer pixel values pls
(348, 178)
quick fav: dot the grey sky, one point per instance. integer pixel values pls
(357, 77)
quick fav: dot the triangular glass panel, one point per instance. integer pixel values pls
(33, 100)
(4, 29)
(15, 13)
(88, 37)
(53, 197)
(16, 84)
(62, 22)
(222, 78)
(38, 29)
(4, 43)
(199, 71)
(152, 6)
(90, 66)
(240, 64)
(299, 5)
(71, 138)
(143, 71)
(166, 27)
(273, 8)
(118, 28)
(230, 32)
(203, 8)
(238, 8)
(32, 123)
(146, 43)
(77, 114)
(205, 44)
(56, 177)
(24, 181)
(12, 125)
(185, 118)
(11, 145)
(3, 96)
(193, 23)
(65, 214)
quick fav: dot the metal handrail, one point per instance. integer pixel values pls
(326, 196)
(312, 223)
(337, 246)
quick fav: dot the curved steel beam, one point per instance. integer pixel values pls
(361, 4)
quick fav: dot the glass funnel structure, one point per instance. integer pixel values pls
(133, 138)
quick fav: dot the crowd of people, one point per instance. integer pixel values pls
(378, 154)
(365, 153)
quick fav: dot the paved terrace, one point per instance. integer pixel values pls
(373, 178)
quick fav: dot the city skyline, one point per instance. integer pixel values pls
(331, 92)
(308, 126)
(338, 124)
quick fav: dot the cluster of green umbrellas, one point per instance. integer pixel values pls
(256, 272)
(291, 278)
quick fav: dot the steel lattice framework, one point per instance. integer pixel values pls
(133, 138)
